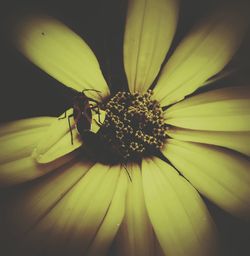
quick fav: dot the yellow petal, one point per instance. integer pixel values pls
(24, 124)
(180, 219)
(57, 141)
(238, 141)
(150, 27)
(97, 121)
(136, 235)
(221, 75)
(113, 219)
(71, 225)
(18, 140)
(61, 53)
(19, 144)
(224, 109)
(219, 174)
(26, 168)
(35, 200)
(202, 54)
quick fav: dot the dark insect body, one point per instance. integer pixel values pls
(83, 107)
(82, 112)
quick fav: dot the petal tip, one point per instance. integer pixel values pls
(37, 156)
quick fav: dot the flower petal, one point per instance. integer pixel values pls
(150, 27)
(136, 234)
(57, 141)
(238, 141)
(70, 226)
(26, 168)
(220, 175)
(36, 199)
(20, 143)
(112, 220)
(202, 54)
(97, 121)
(18, 139)
(61, 53)
(24, 124)
(224, 109)
(180, 219)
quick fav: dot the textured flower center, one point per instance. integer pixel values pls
(134, 124)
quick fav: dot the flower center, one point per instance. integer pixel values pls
(134, 125)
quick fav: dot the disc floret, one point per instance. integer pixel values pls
(134, 124)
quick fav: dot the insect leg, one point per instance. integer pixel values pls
(97, 112)
(70, 129)
(63, 117)
(124, 165)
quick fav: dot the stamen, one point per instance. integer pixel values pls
(134, 124)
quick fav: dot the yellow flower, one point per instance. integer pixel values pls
(83, 207)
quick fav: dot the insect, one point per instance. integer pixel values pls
(82, 112)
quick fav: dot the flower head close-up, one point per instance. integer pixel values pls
(128, 169)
